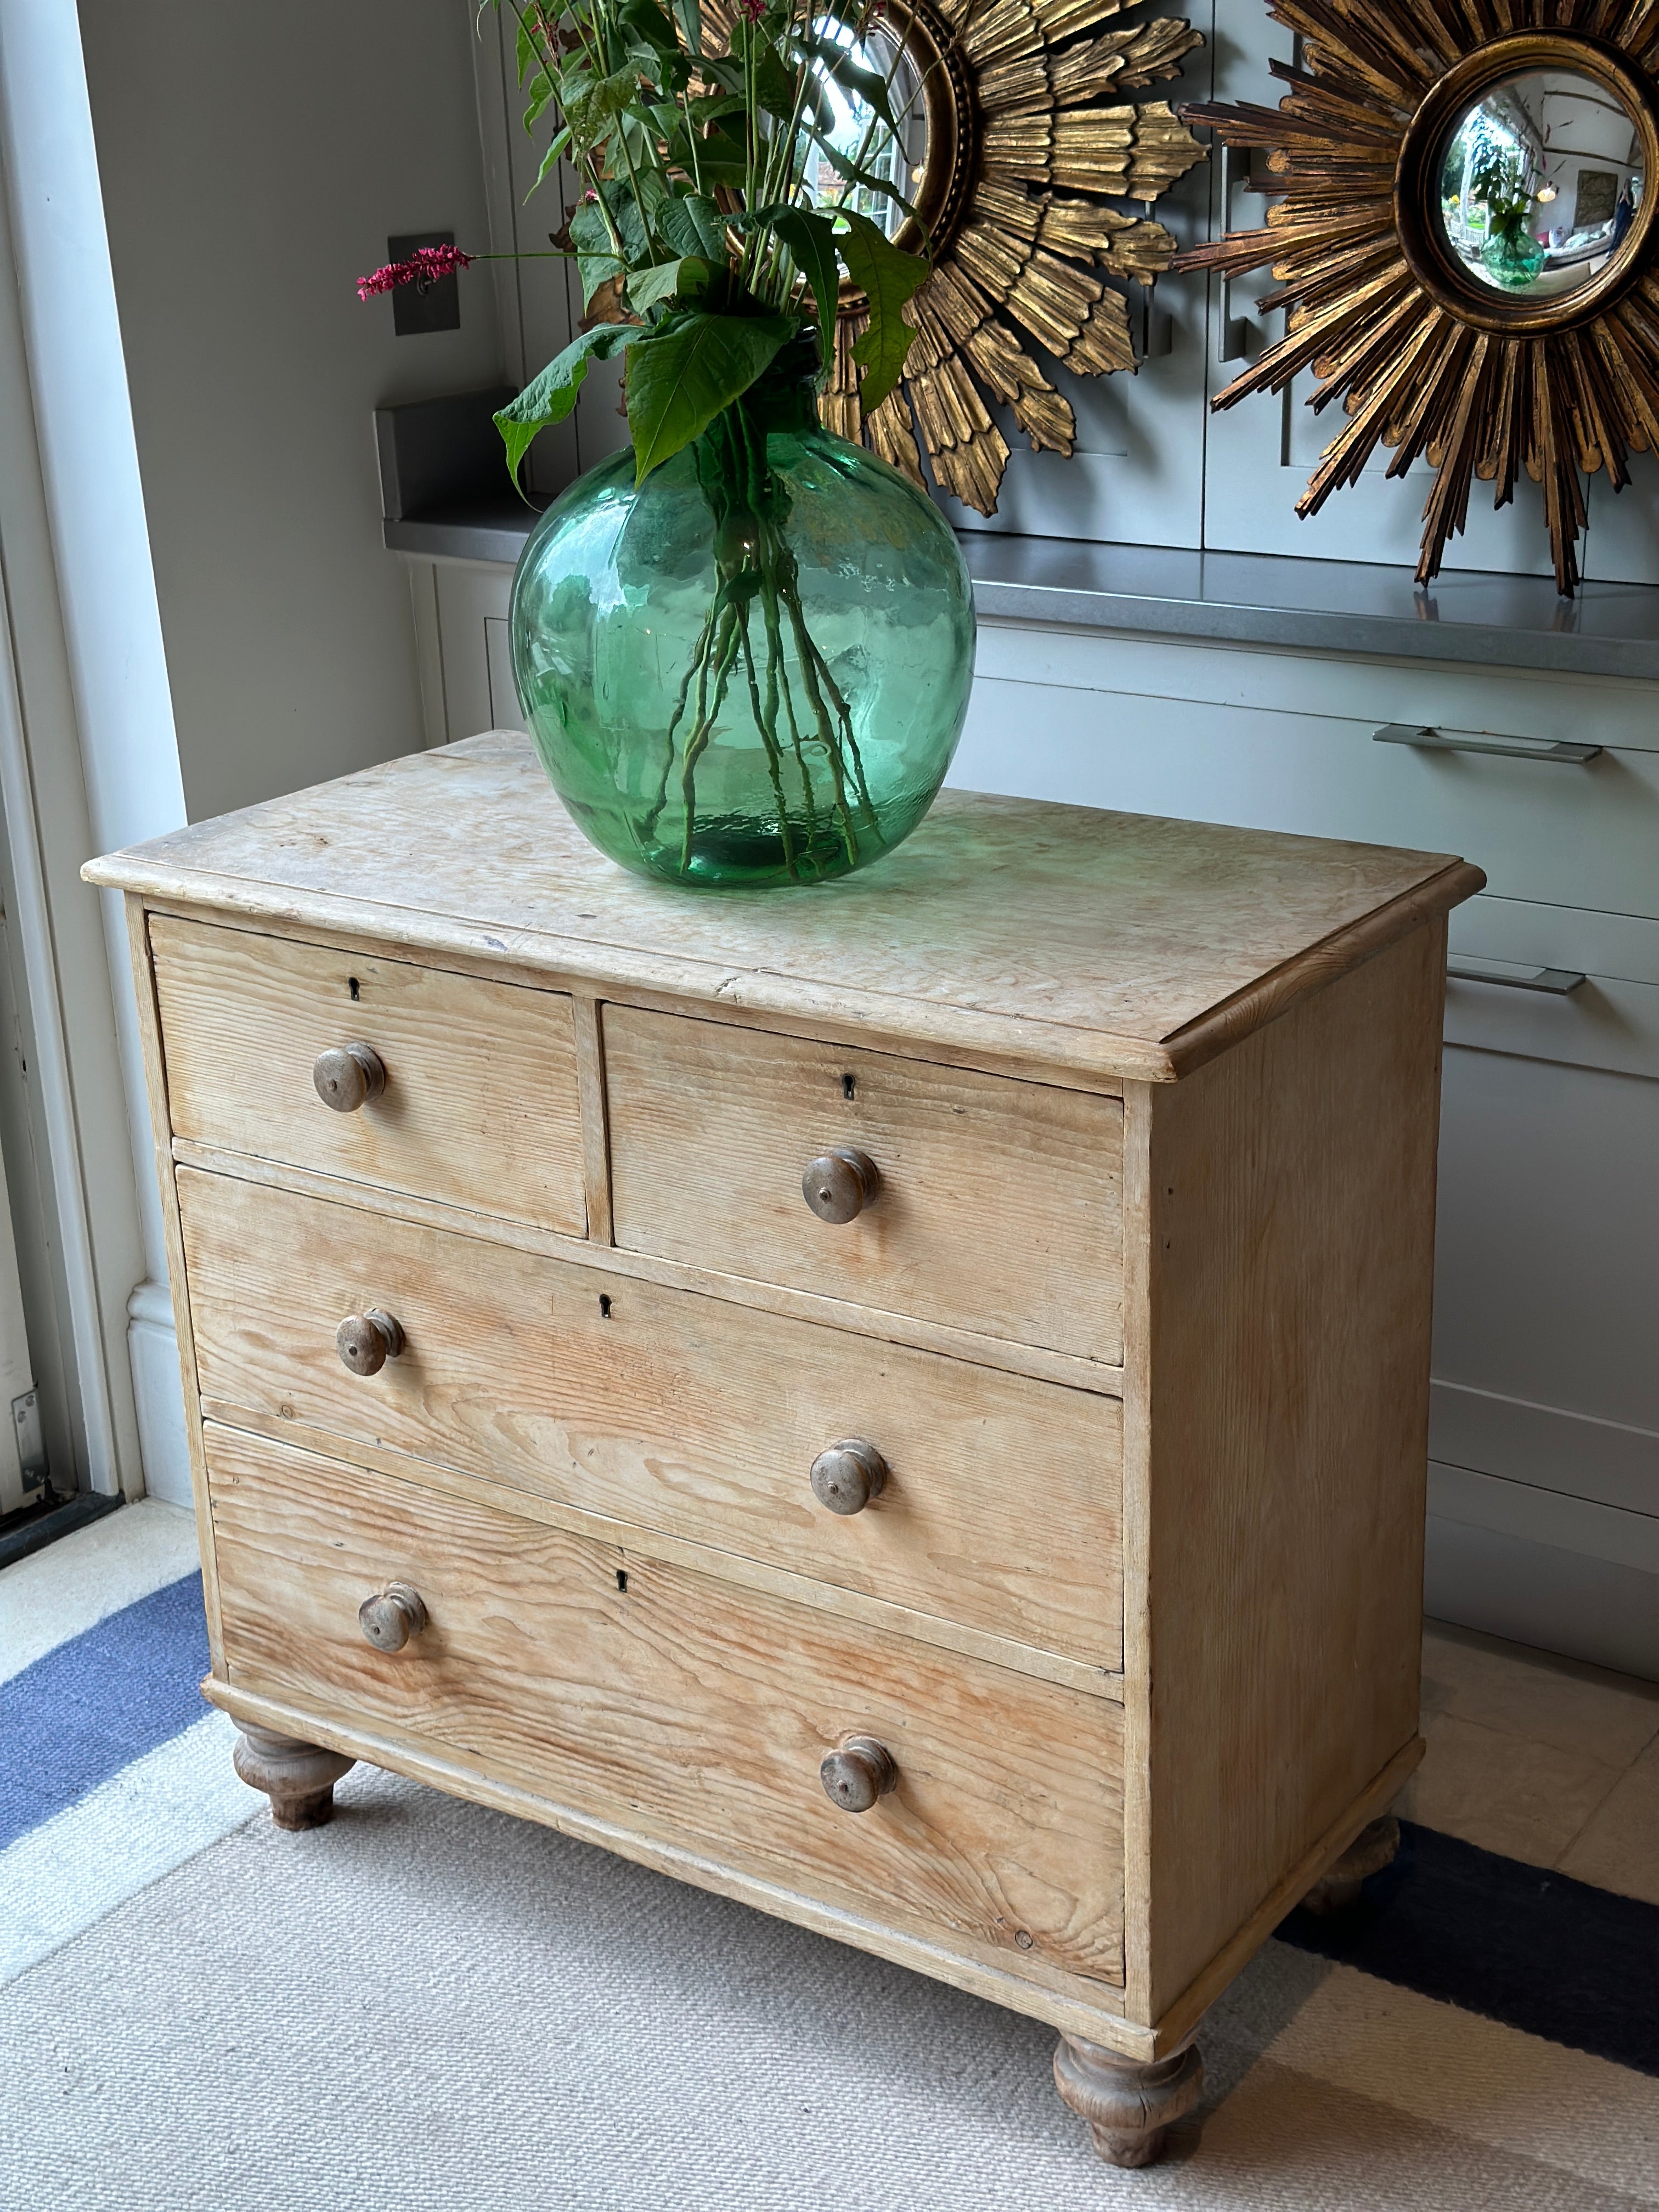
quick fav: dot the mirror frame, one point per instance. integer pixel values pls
(1422, 161)
(1426, 363)
(952, 122)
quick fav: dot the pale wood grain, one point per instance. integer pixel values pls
(155, 1084)
(998, 1204)
(980, 1351)
(1016, 1980)
(1181, 2019)
(1006, 925)
(672, 1411)
(903, 1032)
(596, 1141)
(691, 1709)
(480, 1107)
(1139, 1302)
(1130, 2106)
(854, 1609)
(1261, 1001)
(1137, 1677)
(1291, 1197)
(298, 1777)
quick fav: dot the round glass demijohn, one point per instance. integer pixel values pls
(753, 669)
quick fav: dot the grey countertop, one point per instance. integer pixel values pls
(1239, 599)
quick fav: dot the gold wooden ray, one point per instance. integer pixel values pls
(1032, 150)
(1425, 359)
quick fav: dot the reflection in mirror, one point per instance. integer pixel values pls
(866, 164)
(1539, 182)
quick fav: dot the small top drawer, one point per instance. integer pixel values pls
(996, 1204)
(478, 1107)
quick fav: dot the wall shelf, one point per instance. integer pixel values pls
(445, 501)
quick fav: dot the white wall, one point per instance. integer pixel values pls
(254, 159)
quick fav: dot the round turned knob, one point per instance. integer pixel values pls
(366, 1341)
(839, 1186)
(392, 1617)
(348, 1076)
(846, 1476)
(856, 1772)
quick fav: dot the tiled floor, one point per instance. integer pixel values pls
(1541, 1758)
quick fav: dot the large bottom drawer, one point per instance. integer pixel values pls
(673, 1704)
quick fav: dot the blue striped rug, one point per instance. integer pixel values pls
(94, 1704)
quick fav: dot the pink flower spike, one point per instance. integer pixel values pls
(423, 268)
(751, 11)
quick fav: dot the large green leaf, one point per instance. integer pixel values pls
(721, 158)
(601, 100)
(864, 84)
(596, 260)
(555, 146)
(775, 82)
(650, 24)
(692, 224)
(685, 279)
(887, 277)
(680, 379)
(811, 238)
(542, 91)
(550, 397)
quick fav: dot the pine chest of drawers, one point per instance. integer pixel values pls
(904, 1403)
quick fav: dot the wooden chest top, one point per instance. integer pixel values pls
(1111, 945)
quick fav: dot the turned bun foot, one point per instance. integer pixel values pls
(1371, 1850)
(1128, 2105)
(298, 1778)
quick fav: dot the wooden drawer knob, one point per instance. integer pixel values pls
(846, 1476)
(856, 1772)
(348, 1076)
(841, 1184)
(366, 1341)
(392, 1617)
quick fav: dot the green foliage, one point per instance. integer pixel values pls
(811, 238)
(693, 225)
(681, 282)
(684, 374)
(653, 126)
(864, 84)
(888, 277)
(550, 397)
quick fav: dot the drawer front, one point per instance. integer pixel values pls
(671, 1410)
(999, 1203)
(480, 1104)
(681, 1707)
(1308, 761)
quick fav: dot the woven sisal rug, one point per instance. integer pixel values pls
(429, 2005)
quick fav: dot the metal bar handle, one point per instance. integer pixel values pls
(1402, 733)
(1556, 982)
(1233, 332)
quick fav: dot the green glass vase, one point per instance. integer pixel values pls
(1512, 255)
(753, 669)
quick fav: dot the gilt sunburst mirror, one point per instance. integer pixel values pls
(1461, 236)
(1020, 152)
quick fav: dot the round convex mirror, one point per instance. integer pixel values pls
(874, 156)
(1540, 178)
